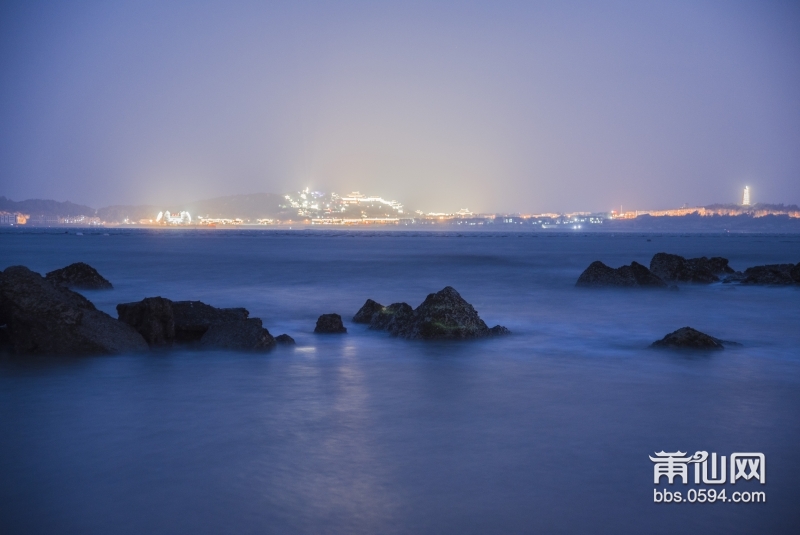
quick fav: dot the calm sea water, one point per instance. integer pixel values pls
(545, 431)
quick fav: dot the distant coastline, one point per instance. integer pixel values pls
(317, 210)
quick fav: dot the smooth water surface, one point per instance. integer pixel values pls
(545, 431)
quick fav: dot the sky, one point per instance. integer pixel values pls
(492, 106)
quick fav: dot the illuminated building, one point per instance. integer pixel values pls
(746, 196)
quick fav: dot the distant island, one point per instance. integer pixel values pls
(308, 208)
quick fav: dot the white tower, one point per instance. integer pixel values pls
(746, 196)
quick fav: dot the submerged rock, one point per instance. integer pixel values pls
(675, 268)
(285, 339)
(152, 318)
(773, 274)
(43, 318)
(688, 338)
(443, 315)
(364, 314)
(79, 275)
(636, 275)
(243, 335)
(330, 324)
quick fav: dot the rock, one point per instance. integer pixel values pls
(794, 273)
(79, 275)
(285, 339)
(776, 274)
(443, 315)
(674, 268)
(636, 275)
(193, 318)
(330, 324)
(243, 335)
(152, 318)
(43, 318)
(364, 314)
(394, 318)
(688, 338)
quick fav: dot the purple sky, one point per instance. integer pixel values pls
(490, 106)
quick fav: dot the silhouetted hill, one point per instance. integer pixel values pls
(36, 207)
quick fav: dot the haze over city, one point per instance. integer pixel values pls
(498, 107)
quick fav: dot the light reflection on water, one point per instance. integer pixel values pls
(548, 429)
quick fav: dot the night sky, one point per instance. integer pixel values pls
(491, 106)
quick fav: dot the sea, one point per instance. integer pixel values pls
(548, 430)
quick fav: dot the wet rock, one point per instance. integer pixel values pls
(330, 324)
(688, 338)
(364, 314)
(79, 275)
(772, 274)
(193, 318)
(285, 339)
(43, 318)
(243, 335)
(794, 273)
(443, 315)
(675, 268)
(393, 318)
(152, 318)
(636, 275)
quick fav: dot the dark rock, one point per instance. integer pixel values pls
(79, 275)
(688, 338)
(499, 330)
(151, 317)
(364, 314)
(43, 318)
(285, 339)
(330, 324)
(795, 273)
(674, 268)
(394, 318)
(242, 335)
(193, 318)
(444, 314)
(777, 274)
(636, 275)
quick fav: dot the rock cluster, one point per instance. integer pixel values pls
(330, 324)
(164, 322)
(675, 268)
(79, 275)
(45, 318)
(688, 338)
(443, 315)
(636, 275)
(773, 274)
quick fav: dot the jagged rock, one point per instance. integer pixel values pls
(152, 318)
(242, 335)
(777, 274)
(393, 318)
(285, 339)
(79, 275)
(193, 318)
(444, 314)
(330, 324)
(688, 338)
(364, 314)
(43, 318)
(636, 275)
(675, 268)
